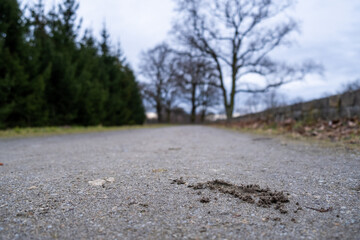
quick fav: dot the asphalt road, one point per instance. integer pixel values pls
(45, 191)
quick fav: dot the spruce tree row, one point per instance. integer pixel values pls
(48, 77)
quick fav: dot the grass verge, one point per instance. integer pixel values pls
(49, 131)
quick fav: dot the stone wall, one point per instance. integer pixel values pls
(335, 107)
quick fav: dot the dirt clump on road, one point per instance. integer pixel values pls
(254, 194)
(179, 181)
(205, 200)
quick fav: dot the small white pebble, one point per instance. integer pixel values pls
(97, 182)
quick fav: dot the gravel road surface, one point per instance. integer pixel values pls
(188, 182)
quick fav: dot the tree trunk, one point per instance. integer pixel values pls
(193, 104)
(168, 115)
(193, 114)
(229, 112)
(159, 112)
(229, 107)
(203, 114)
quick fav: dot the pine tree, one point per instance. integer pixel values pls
(63, 89)
(14, 85)
(91, 106)
(47, 77)
(40, 66)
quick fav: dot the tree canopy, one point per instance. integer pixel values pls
(237, 36)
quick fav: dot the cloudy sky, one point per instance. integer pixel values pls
(330, 34)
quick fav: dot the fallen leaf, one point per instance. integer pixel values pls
(1, 164)
(352, 124)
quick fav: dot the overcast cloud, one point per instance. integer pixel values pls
(330, 34)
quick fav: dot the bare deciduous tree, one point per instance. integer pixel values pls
(157, 66)
(238, 36)
(194, 77)
(208, 98)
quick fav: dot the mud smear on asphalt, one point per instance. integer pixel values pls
(254, 194)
